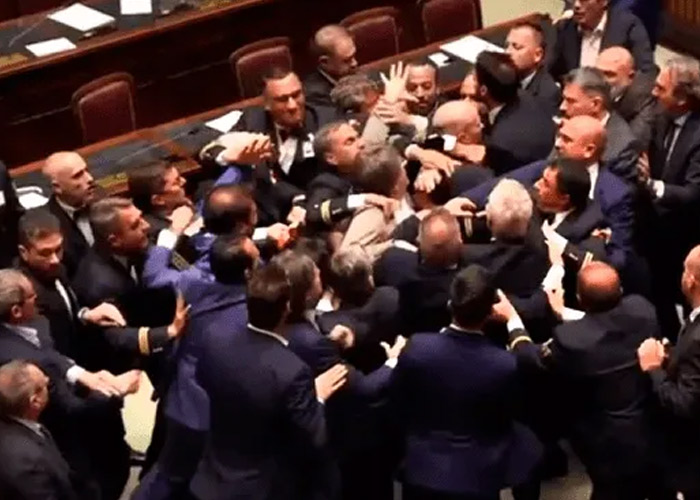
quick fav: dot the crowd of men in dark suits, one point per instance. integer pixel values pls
(378, 283)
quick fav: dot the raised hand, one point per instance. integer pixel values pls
(182, 312)
(330, 381)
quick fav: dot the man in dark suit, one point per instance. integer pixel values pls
(595, 27)
(586, 93)
(475, 449)
(356, 423)
(423, 274)
(330, 197)
(527, 46)
(334, 50)
(73, 190)
(215, 305)
(676, 380)
(111, 271)
(280, 183)
(88, 428)
(582, 138)
(630, 91)
(607, 413)
(510, 113)
(33, 467)
(268, 430)
(41, 249)
(10, 212)
(672, 175)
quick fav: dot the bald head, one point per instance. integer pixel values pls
(598, 287)
(439, 238)
(581, 138)
(617, 66)
(690, 281)
(461, 119)
(335, 50)
(71, 181)
(229, 208)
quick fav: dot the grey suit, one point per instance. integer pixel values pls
(636, 105)
(621, 149)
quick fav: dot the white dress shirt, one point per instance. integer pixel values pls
(590, 43)
(82, 222)
(525, 82)
(64, 295)
(493, 114)
(287, 150)
(593, 171)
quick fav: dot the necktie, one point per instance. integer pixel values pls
(669, 140)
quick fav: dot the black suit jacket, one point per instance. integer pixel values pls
(545, 90)
(622, 149)
(10, 212)
(317, 89)
(637, 106)
(267, 428)
(677, 389)
(81, 423)
(327, 199)
(75, 246)
(33, 468)
(522, 133)
(607, 397)
(100, 278)
(275, 190)
(682, 173)
(623, 28)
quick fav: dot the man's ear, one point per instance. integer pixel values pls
(157, 200)
(112, 240)
(23, 252)
(539, 54)
(16, 311)
(330, 158)
(323, 61)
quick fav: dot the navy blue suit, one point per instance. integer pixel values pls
(266, 426)
(613, 195)
(455, 392)
(356, 415)
(213, 306)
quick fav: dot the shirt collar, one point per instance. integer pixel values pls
(66, 208)
(274, 335)
(123, 261)
(26, 332)
(493, 114)
(694, 314)
(600, 29)
(328, 77)
(680, 121)
(560, 217)
(456, 327)
(605, 119)
(35, 427)
(525, 82)
(593, 171)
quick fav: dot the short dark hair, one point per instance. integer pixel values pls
(277, 72)
(317, 249)
(104, 217)
(350, 276)
(497, 72)
(323, 141)
(36, 224)
(472, 296)
(573, 180)
(380, 167)
(537, 30)
(268, 296)
(300, 273)
(226, 208)
(592, 82)
(228, 259)
(145, 181)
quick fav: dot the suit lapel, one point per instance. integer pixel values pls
(676, 163)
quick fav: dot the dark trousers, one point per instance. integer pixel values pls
(367, 476)
(170, 477)
(629, 489)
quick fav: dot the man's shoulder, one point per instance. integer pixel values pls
(612, 188)
(621, 18)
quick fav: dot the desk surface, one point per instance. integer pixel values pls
(17, 33)
(179, 140)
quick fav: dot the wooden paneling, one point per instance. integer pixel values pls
(681, 30)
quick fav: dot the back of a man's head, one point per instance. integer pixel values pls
(439, 239)
(598, 287)
(472, 296)
(268, 295)
(231, 257)
(146, 181)
(20, 381)
(592, 82)
(227, 208)
(350, 276)
(454, 117)
(105, 217)
(12, 295)
(508, 210)
(380, 167)
(574, 181)
(497, 72)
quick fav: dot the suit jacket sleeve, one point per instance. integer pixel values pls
(527, 354)
(367, 229)
(676, 196)
(585, 251)
(681, 396)
(306, 412)
(527, 175)
(643, 122)
(641, 47)
(324, 207)
(138, 340)
(157, 272)
(620, 217)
